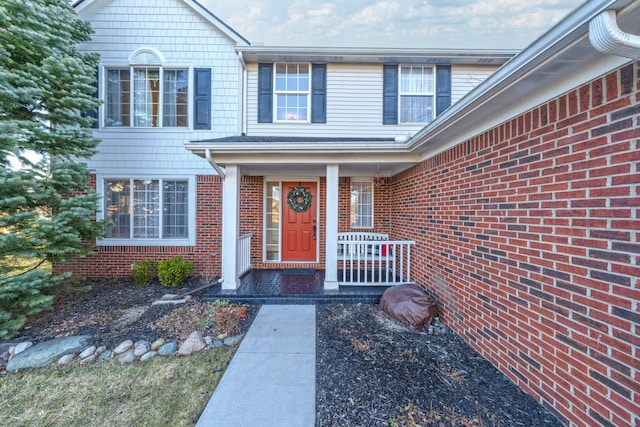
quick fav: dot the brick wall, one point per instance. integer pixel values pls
(529, 235)
(114, 261)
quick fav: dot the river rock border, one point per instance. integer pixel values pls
(25, 355)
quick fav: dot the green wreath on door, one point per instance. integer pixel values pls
(299, 199)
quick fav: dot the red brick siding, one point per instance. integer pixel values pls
(529, 235)
(114, 261)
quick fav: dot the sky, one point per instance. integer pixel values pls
(488, 24)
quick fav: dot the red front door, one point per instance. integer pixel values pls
(299, 227)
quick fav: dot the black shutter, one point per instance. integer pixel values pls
(265, 93)
(202, 98)
(319, 93)
(443, 88)
(390, 95)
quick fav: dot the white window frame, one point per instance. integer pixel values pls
(190, 240)
(131, 69)
(358, 224)
(277, 92)
(429, 94)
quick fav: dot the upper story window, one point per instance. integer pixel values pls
(158, 97)
(148, 94)
(292, 92)
(416, 94)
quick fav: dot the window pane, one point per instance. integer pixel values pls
(291, 107)
(146, 209)
(146, 96)
(117, 208)
(175, 98)
(416, 79)
(272, 221)
(292, 91)
(416, 109)
(361, 204)
(117, 102)
(175, 207)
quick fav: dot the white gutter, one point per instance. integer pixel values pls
(213, 164)
(608, 38)
(540, 51)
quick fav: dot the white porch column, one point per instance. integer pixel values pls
(230, 226)
(331, 267)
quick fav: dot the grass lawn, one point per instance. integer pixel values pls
(159, 392)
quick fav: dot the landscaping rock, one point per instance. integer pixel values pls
(127, 356)
(217, 344)
(168, 349)
(148, 356)
(101, 349)
(89, 351)
(233, 341)
(141, 348)
(157, 344)
(123, 347)
(89, 359)
(22, 347)
(67, 358)
(106, 355)
(47, 352)
(193, 344)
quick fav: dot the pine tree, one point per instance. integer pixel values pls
(46, 201)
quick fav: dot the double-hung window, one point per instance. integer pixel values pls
(146, 208)
(292, 92)
(147, 97)
(416, 94)
(361, 204)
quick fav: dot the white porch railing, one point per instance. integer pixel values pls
(244, 253)
(368, 259)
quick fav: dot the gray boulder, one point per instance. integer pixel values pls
(168, 349)
(47, 352)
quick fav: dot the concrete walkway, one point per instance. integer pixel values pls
(271, 379)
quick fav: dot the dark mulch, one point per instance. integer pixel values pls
(113, 310)
(371, 372)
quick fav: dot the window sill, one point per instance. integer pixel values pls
(145, 242)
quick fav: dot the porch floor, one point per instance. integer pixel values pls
(292, 286)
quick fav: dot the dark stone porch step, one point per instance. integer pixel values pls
(343, 296)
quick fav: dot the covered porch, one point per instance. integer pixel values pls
(256, 209)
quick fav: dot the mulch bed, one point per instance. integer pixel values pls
(114, 310)
(369, 371)
(372, 372)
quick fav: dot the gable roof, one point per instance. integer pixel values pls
(87, 8)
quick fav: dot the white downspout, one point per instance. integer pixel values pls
(608, 38)
(213, 164)
(243, 96)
